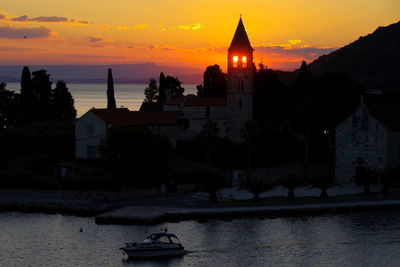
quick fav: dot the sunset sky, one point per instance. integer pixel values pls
(182, 33)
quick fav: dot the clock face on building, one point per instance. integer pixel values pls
(360, 136)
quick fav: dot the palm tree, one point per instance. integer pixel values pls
(388, 178)
(256, 185)
(291, 182)
(323, 182)
(365, 177)
(250, 133)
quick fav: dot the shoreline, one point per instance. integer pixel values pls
(143, 207)
(138, 216)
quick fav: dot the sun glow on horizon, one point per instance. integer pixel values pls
(191, 35)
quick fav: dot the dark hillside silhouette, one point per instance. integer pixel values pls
(372, 60)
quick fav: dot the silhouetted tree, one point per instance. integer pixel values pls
(162, 89)
(8, 107)
(214, 82)
(305, 87)
(250, 134)
(200, 90)
(173, 88)
(41, 86)
(270, 99)
(63, 103)
(146, 165)
(110, 91)
(338, 96)
(210, 129)
(291, 182)
(256, 185)
(365, 176)
(151, 92)
(27, 96)
(323, 182)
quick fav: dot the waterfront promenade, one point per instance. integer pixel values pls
(145, 207)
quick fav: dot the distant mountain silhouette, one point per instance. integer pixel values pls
(372, 60)
(124, 73)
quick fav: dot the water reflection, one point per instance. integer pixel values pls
(360, 239)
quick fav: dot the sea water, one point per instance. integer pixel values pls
(357, 239)
(89, 95)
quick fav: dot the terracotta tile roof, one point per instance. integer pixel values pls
(389, 116)
(124, 117)
(192, 100)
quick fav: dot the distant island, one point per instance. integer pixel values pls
(124, 73)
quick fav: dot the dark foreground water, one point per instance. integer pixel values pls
(360, 239)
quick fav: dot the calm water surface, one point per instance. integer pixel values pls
(88, 95)
(359, 239)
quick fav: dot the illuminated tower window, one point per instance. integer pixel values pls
(235, 61)
(244, 62)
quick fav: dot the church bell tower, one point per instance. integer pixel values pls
(240, 83)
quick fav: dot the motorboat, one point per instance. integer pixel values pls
(155, 245)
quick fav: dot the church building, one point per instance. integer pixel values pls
(183, 118)
(228, 113)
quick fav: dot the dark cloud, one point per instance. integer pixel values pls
(94, 39)
(48, 19)
(20, 18)
(19, 33)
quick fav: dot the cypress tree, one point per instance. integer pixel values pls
(110, 91)
(27, 97)
(42, 93)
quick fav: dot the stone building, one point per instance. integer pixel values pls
(196, 111)
(370, 137)
(92, 128)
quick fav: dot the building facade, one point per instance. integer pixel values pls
(370, 138)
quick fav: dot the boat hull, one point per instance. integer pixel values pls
(145, 254)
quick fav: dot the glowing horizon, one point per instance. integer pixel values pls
(283, 33)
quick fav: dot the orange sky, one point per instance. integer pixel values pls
(173, 32)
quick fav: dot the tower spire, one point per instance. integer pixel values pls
(240, 39)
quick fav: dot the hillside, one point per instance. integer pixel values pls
(372, 60)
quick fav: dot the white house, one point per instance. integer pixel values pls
(92, 128)
(369, 137)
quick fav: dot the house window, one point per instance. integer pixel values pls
(207, 111)
(91, 152)
(89, 129)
